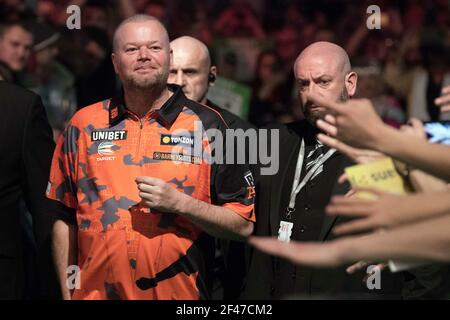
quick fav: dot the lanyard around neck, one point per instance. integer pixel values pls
(298, 185)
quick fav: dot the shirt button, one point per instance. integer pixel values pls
(302, 229)
(307, 207)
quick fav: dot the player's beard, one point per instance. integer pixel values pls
(313, 116)
(154, 82)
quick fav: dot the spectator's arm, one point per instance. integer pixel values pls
(388, 210)
(424, 241)
(356, 123)
(395, 74)
(356, 39)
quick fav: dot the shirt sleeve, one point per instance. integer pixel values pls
(234, 185)
(62, 185)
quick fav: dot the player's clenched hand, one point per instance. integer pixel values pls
(158, 194)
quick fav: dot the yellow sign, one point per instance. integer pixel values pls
(380, 175)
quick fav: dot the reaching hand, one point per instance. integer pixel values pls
(444, 100)
(414, 128)
(387, 211)
(313, 254)
(360, 156)
(354, 122)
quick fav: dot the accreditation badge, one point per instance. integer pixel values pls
(285, 231)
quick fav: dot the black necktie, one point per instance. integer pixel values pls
(313, 157)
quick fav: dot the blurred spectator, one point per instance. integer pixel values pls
(94, 13)
(428, 83)
(55, 12)
(51, 80)
(374, 44)
(325, 35)
(16, 10)
(293, 15)
(229, 67)
(269, 97)
(190, 18)
(288, 45)
(97, 79)
(371, 86)
(16, 40)
(98, 14)
(239, 20)
(419, 84)
(200, 28)
(156, 8)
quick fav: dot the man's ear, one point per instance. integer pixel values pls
(114, 62)
(351, 80)
(171, 57)
(212, 76)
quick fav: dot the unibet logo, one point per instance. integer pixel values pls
(166, 140)
(111, 135)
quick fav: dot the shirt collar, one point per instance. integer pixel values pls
(166, 115)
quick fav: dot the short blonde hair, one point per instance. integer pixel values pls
(138, 18)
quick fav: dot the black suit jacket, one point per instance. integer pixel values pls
(26, 149)
(263, 278)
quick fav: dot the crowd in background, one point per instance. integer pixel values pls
(402, 66)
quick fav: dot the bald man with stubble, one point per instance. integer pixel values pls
(193, 71)
(291, 204)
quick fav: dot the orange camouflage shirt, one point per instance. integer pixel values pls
(126, 251)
